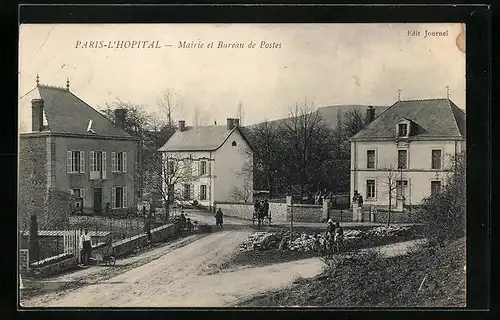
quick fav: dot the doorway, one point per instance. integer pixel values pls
(97, 200)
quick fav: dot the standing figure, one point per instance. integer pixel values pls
(86, 246)
(183, 220)
(256, 208)
(189, 225)
(339, 236)
(219, 220)
(360, 207)
(330, 234)
(265, 209)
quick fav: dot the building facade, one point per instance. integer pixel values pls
(406, 153)
(208, 164)
(73, 149)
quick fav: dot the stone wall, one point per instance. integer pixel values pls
(305, 213)
(236, 209)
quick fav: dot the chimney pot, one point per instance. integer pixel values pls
(120, 115)
(181, 125)
(36, 115)
(229, 123)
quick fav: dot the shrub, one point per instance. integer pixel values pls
(443, 214)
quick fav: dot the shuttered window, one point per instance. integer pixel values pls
(203, 192)
(119, 197)
(75, 161)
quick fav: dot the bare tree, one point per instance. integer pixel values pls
(268, 155)
(308, 142)
(239, 112)
(169, 103)
(196, 117)
(244, 193)
(392, 185)
(167, 171)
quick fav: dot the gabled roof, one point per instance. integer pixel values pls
(432, 118)
(200, 138)
(68, 114)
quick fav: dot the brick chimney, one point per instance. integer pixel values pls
(232, 123)
(37, 115)
(370, 114)
(120, 115)
(181, 125)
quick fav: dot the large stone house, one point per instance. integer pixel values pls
(406, 152)
(70, 150)
(208, 164)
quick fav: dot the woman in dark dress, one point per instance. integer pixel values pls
(219, 220)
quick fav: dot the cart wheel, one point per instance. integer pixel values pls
(112, 261)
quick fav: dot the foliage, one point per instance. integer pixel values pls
(444, 213)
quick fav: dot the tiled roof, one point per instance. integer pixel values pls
(66, 113)
(198, 138)
(434, 118)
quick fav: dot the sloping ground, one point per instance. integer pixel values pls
(372, 281)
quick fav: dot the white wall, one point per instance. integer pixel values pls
(419, 173)
(229, 162)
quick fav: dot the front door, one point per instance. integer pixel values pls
(97, 200)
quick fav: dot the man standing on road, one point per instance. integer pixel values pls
(266, 208)
(219, 220)
(339, 236)
(86, 246)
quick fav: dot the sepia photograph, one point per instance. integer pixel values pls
(242, 165)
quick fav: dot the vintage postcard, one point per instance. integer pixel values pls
(242, 165)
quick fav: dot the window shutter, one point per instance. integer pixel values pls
(82, 195)
(113, 161)
(124, 197)
(124, 159)
(113, 197)
(191, 190)
(209, 167)
(209, 194)
(69, 161)
(104, 164)
(82, 161)
(92, 161)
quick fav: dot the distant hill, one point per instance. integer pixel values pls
(330, 113)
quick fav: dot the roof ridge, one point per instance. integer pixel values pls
(53, 87)
(100, 114)
(428, 99)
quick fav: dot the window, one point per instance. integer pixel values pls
(203, 192)
(119, 195)
(187, 192)
(402, 130)
(370, 189)
(370, 159)
(78, 193)
(118, 161)
(402, 159)
(76, 162)
(203, 167)
(233, 144)
(436, 159)
(401, 188)
(97, 165)
(435, 187)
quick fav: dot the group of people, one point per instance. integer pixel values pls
(334, 235)
(261, 210)
(185, 223)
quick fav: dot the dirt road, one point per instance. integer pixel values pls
(189, 275)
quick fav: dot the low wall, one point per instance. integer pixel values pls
(396, 217)
(63, 262)
(305, 213)
(243, 210)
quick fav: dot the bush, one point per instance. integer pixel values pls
(443, 214)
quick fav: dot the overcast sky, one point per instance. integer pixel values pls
(327, 63)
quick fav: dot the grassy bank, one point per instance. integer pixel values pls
(373, 281)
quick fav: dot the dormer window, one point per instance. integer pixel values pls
(402, 130)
